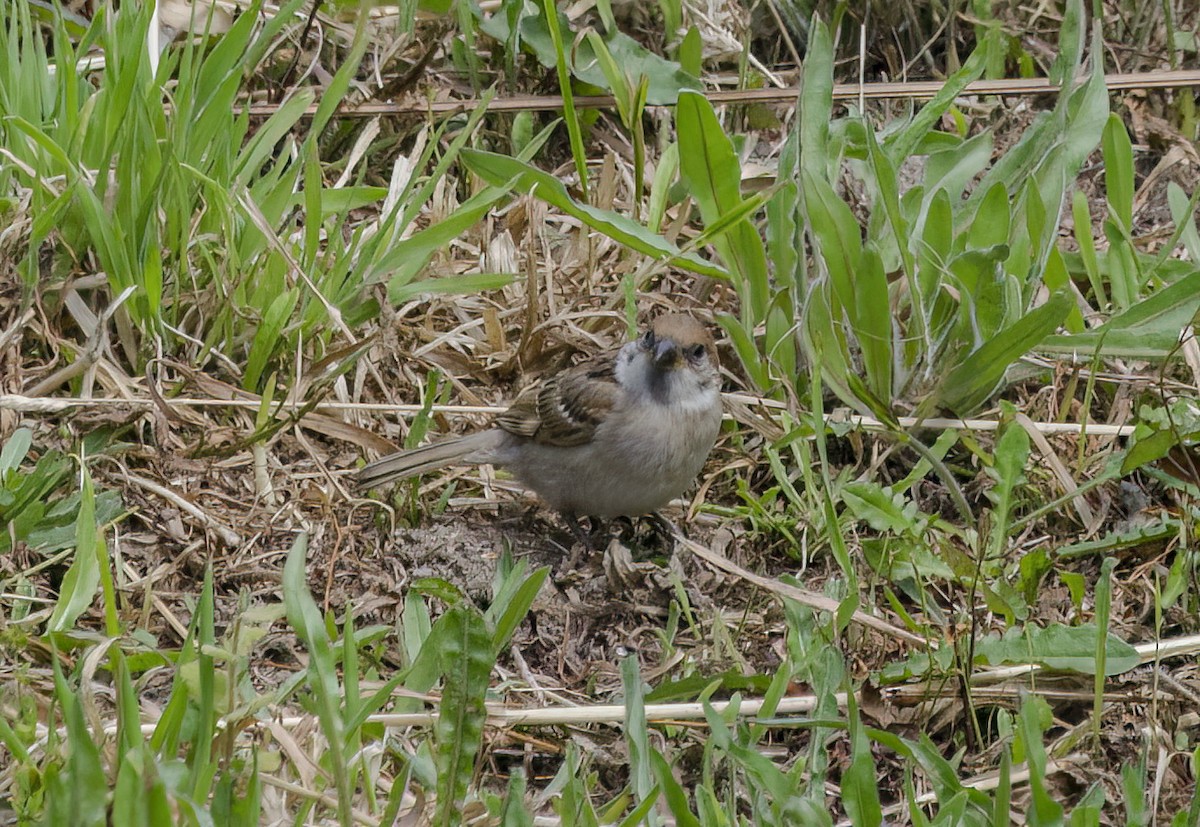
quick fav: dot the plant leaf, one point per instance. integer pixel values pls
(502, 171)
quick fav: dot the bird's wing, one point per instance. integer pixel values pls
(565, 409)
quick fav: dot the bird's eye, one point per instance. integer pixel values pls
(648, 339)
(695, 351)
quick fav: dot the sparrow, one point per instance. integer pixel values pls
(619, 435)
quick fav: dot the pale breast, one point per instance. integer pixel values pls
(632, 466)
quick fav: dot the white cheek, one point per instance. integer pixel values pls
(625, 370)
(632, 369)
(690, 394)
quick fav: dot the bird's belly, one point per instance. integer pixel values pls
(618, 473)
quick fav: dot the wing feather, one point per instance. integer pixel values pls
(564, 409)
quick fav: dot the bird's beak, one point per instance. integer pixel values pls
(666, 354)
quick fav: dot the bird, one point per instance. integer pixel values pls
(618, 435)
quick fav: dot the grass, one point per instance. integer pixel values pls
(919, 620)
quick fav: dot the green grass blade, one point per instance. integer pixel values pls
(321, 676)
(79, 794)
(906, 141)
(570, 115)
(672, 791)
(1012, 452)
(860, 793)
(637, 737)
(79, 584)
(506, 613)
(1103, 614)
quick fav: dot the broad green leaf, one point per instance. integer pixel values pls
(637, 739)
(419, 656)
(935, 248)
(1118, 170)
(508, 610)
(1124, 278)
(268, 336)
(1031, 724)
(941, 774)
(1039, 204)
(1102, 595)
(873, 325)
(971, 381)
(1012, 452)
(816, 102)
(666, 77)
(746, 349)
(1148, 329)
(707, 162)
(1066, 648)
(709, 168)
(674, 793)
(1087, 114)
(691, 53)
(880, 508)
(825, 345)
(660, 188)
(990, 225)
(783, 246)
(1082, 219)
(1019, 161)
(515, 812)
(14, 451)
(886, 182)
(1159, 431)
(978, 277)
(838, 240)
(1072, 33)
(466, 657)
(1089, 808)
(733, 223)
(76, 794)
(619, 83)
(952, 170)
(1183, 213)
(1057, 278)
(779, 341)
(574, 804)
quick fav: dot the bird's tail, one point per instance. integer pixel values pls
(472, 448)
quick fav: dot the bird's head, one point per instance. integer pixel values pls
(674, 355)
